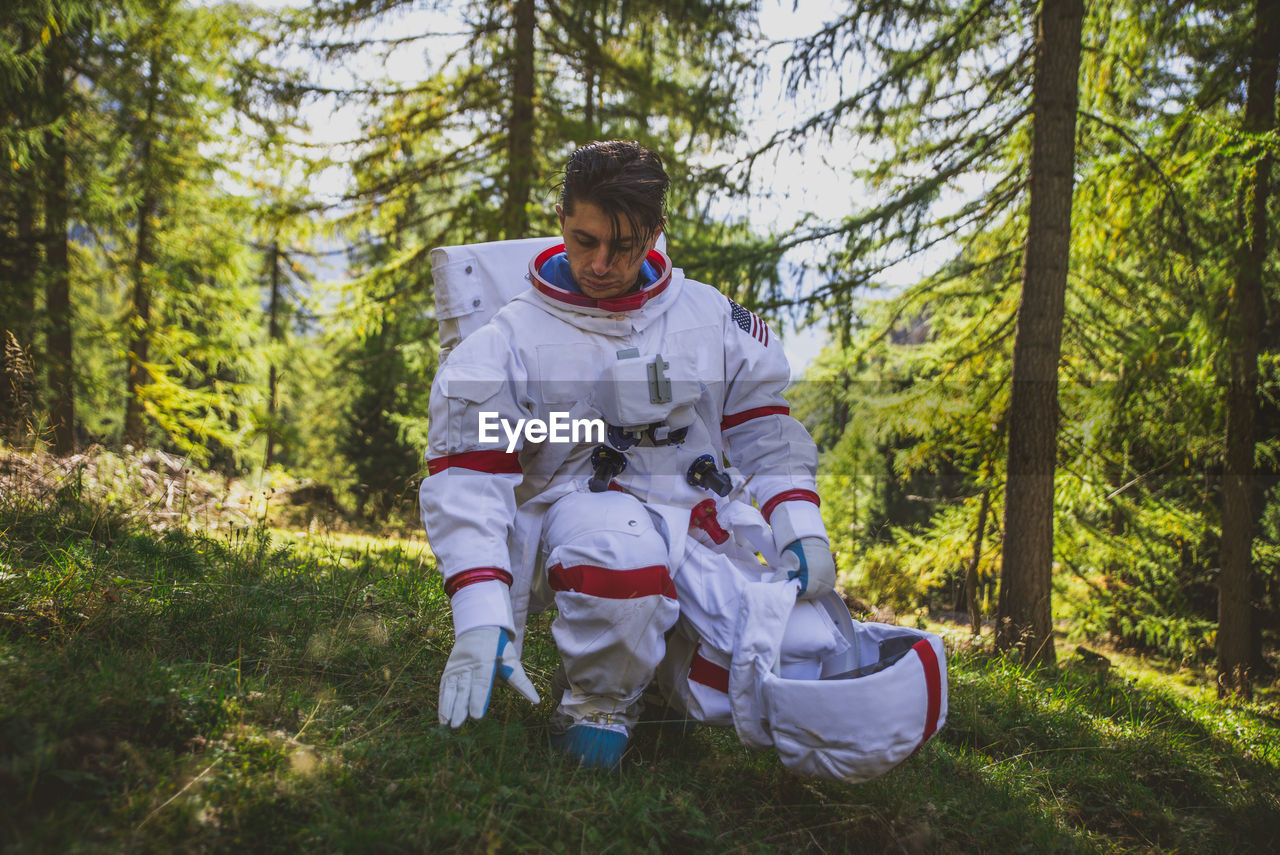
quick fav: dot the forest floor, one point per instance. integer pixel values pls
(177, 689)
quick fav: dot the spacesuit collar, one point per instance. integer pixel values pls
(625, 303)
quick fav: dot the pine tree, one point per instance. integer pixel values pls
(1025, 616)
(21, 54)
(68, 26)
(1163, 167)
(190, 357)
(954, 93)
(1246, 314)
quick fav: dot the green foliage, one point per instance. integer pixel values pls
(944, 90)
(189, 321)
(162, 263)
(1155, 237)
(386, 465)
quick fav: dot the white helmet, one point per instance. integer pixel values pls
(875, 705)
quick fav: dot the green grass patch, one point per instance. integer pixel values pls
(276, 692)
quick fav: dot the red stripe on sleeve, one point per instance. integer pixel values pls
(494, 462)
(708, 673)
(788, 496)
(461, 580)
(747, 415)
(613, 584)
(933, 685)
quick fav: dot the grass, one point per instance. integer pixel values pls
(273, 692)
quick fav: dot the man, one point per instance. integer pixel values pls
(642, 539)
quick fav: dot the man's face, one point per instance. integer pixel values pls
(589, 241)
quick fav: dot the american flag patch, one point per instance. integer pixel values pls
(750, 323)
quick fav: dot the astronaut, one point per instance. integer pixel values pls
(643, 540)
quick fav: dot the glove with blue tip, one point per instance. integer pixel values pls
(810, 561)
(479, 656)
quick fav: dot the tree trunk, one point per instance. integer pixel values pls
(18, 278)
(972, 584)
(274, 334)
(1245, 316)
(143, 261)
(589, 80)
(27, 259)
(520, 166)
(140, 347)
(840, 413)
(19, 270)
(1024, 614)
(57, 206)
(20, 266)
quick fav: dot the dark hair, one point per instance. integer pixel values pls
(624, 179)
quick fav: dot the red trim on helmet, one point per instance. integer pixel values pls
(613, 584)
(788, 496)
(458, 581)
(494, 462)
(933, 685)
(624, 303)
(707, 673)
(747, 415)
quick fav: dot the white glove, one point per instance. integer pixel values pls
(809, 560)
(479, 655)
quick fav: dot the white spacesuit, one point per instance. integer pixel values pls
(645, 542)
